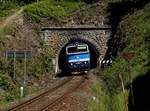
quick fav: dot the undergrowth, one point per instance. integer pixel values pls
(101, 101)
(135, 33)
(7, 7)
(10, 86)
(51, 9)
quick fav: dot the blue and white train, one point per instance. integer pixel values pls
(78, 57)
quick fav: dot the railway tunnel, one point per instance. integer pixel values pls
(93, 50)
(58, 38)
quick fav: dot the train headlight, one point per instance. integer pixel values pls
(85, 62)
(71, 64)
(103, 62)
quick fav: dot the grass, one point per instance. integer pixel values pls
(51, 9)
(120, 101)
(8, 7)
(101, 101)
(104, 101)
(6, 31)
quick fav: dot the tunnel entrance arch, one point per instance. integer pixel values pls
(93, 48)
(56, 38)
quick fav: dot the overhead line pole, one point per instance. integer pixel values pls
(14, 76)
(25, 67)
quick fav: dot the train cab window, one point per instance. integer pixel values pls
(72, 49)
(77, 49)
(82, 48)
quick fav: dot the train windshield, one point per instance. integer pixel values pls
(77, 49)
(72, 49)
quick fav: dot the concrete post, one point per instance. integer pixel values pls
(21, 91)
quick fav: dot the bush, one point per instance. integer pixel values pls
(3, 81)
(13, 94)
(41, 65)
(7, 6)
(111, 75)
(51, 9)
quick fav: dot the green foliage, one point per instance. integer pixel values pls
(6, 31)
(101, 102)
(41, 65)
(3, 81)
(111, 75)
(135, 29)
(120, 102)
(51, 9)
(35, 67)
(13, 94)
(6, 7)
(4, 70)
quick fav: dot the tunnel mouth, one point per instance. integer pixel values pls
(94, 54)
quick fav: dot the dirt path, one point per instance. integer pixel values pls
(10, 19)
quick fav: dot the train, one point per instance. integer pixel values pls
(78, 58)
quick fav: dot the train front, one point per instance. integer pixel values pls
(78, 58)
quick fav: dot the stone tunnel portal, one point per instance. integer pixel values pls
(94, 54)
(57, 38)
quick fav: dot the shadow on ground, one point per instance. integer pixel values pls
(67, 74)
(141, 94)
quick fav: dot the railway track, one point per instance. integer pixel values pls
(51, 97)
(24, 104)
(62, 97)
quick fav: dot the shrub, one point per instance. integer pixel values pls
(41, 65)
(111, 75)
(3, 81)
(13, 94)
(51, 9)
(6, 7)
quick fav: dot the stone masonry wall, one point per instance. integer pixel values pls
(55, 39)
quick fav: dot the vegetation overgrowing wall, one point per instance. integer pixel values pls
(133, 32)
